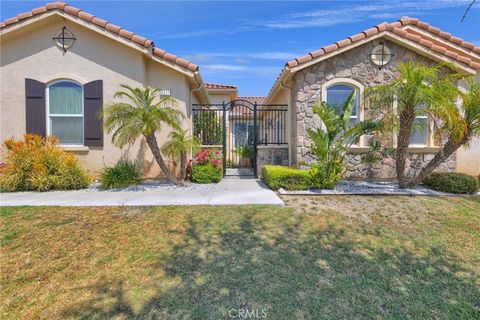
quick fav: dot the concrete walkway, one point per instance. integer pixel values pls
(228, 192)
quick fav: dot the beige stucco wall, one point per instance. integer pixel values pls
(220, 97)
(31, 53)
(468, 158)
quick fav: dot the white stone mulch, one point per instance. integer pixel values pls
(367, 188)
(157, 185)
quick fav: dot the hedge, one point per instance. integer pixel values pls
(452, 182)
(206, 173)
(277, 177)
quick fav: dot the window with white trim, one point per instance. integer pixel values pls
(65, 112)
(420, 130)
(338, 94)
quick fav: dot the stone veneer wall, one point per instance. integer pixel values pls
(271, 154)
(354, 64)
(385, 169)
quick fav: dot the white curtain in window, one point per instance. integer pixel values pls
(65, 98)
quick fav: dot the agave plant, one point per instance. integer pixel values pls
(331, 143)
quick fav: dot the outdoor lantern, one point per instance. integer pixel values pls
(381, 55)
(65, 39)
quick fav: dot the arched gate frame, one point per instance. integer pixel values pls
(238, 128)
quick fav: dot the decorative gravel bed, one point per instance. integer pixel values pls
(363, 187)
(157, 185)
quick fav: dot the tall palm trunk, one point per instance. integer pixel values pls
(152, 143)
(403, 140)
(183, 165)
(447, 150)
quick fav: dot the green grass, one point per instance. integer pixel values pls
(321, 257)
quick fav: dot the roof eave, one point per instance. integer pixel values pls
(202, 93)
(284, 76)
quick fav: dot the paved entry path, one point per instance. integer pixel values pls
(230, 191)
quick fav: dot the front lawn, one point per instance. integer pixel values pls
(321, 257)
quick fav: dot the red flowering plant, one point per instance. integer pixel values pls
(206, 166)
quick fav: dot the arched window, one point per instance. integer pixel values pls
(65, 112)
(337, 95)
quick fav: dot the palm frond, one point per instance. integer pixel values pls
(142, 112)
(348, 109)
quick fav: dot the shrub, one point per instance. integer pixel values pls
(39, 164)
(205, 173)
(123, 174)
(277, 177)
(451, 182)
(206, 166)
(326, 174)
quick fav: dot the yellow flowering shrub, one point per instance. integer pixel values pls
(39, 164)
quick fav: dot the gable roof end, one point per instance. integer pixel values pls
(76, 12)
(463, 52)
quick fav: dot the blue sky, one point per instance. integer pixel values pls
(246, 43)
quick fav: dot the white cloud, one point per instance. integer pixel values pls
(343, 13)
(348, 13)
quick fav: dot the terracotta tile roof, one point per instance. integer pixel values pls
(252, 99)
(462, 51)
(397, 28)
(142, 41)
(219, 86)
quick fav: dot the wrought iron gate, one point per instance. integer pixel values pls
(237, 127)
(240, 143)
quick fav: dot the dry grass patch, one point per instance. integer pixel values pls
(320, 259)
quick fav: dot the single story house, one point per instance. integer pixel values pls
(60, 65)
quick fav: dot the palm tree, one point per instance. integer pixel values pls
(144, 114)
(417, 85)
(462, 124)
(330, 145)
(180, 144)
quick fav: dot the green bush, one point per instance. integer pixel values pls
(451, 182)
(39, 164)
(277, 177)
(205, 173)
(123, 174)
(326, 174)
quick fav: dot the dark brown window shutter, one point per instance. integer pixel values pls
(35, 108)
(93, 103)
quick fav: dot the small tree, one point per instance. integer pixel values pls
(145, 114)
(430, 87)
(460, 125)
(330, 145)
(179, 145)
